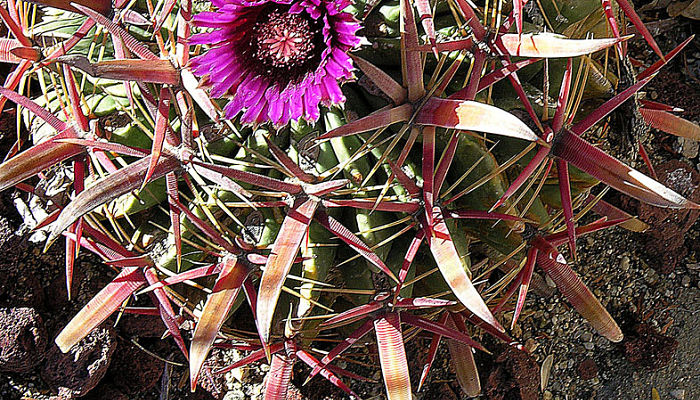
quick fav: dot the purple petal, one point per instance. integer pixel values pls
(276, 103)
(296, 105)
(311, 111)
(262, 96)
(333, 89)
(233, 107)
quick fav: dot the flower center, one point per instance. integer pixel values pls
(282, 40)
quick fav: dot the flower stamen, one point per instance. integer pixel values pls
(283, 40)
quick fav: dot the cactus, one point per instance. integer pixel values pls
(333, 182)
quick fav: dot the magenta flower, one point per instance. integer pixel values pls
(276, 60)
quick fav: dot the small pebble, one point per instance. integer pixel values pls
(549, 281)
(531, 345)
(517, 331)
(678, 394)
(687, 147)
(685, 281)
(601, 341)
(625, 263)
(587, 337)
(547, 395)
(234, 395)
(589, 346)
(650, 276)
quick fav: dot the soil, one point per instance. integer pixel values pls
(515, 376)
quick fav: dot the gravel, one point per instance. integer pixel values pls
(632, 291)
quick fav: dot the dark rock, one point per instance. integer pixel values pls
(8, 118)
(213, 384)
(23, 339)
(294, 394)
(75, 373)
(57, 292)
(19, 284)
(132, 370)
(540, 286)
(645, 347)
(444, 392)
(515, 376)
(6, 231)
(588, 369)
(142, 326)
(105, 391)
(198, 394)
(668, 227)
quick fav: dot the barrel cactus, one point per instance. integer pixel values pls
(331, 164)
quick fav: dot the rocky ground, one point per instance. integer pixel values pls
(657, 313)
(648, 281)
